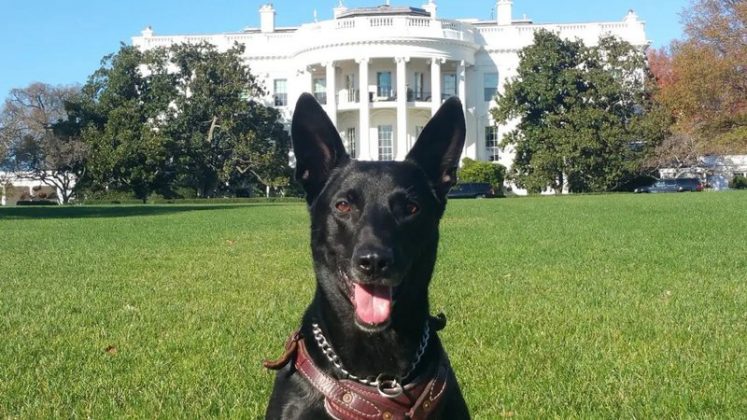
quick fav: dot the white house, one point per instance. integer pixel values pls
(716, 170)
(381, 72)
(17, 186)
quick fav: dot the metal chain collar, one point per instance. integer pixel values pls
(388, 385)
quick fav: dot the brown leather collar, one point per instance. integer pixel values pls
(346, 399)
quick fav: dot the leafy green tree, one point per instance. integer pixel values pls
(179, 119)
(120, 118)
(480, 171)
(223, 138)
(582, 114)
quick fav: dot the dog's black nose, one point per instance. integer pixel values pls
(374, 262)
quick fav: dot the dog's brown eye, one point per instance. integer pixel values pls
(343, 206)
(412, 208)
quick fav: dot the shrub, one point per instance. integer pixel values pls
(36, 203)
(111, 197)
(478, 171)
(739, 182)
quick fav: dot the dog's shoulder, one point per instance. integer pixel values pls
(293, 397)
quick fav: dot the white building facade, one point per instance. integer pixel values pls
(381, 72)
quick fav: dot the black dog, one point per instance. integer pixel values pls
(367, 347)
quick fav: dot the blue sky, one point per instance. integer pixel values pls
(62, 42)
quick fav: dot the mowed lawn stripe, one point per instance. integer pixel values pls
(588, 306)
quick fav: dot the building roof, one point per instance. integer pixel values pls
(384, 10)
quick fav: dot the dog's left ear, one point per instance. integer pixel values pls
(439, 146)
(316, 144)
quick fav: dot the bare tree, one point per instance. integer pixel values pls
(31, 145)
(679, 151)
(63, 164)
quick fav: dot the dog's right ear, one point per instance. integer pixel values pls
(316, 144)
(440, 144)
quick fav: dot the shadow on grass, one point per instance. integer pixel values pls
(83, 212)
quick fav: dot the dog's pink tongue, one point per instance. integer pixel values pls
(373, 304)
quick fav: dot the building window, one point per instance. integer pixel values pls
(350, 140)
(419, 92)
(450, 86)
(490, 85)
(384, 84)
(281, 92)
(492, 146)
(350, 85)
(386, 148)
(320, 90)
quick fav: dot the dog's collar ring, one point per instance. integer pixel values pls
(388, 386)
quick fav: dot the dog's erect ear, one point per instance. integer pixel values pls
(439, 146)
(316, 144)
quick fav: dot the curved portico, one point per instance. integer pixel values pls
(381, 76)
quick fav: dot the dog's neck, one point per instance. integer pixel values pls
(365, 354)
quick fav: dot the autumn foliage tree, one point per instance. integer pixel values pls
(702, 83)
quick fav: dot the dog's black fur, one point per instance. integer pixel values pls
(372, 223)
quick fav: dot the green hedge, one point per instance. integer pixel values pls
(739, 182)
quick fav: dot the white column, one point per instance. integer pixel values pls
(400, 143)
(332, 92)
(469, 143)
(462, 84)
(436, 84)
(364, 142)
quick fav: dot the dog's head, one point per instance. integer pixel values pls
(374, 225)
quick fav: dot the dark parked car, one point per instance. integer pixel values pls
(471, 190)
(673, 185)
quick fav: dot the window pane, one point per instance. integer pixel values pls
(490, 84)
(351, 140)
(281, 92)
(492, 146)
(352, 88)
(386, 149)
(450, 85)
(419, 94)
(384, 84)
(320, 90)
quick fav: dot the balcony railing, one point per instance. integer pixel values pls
(387, 26)
(418, 96)
(385, 93)
(377, 95)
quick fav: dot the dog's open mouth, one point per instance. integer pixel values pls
(373, 304)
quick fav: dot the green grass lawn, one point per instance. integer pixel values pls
(585, 306)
